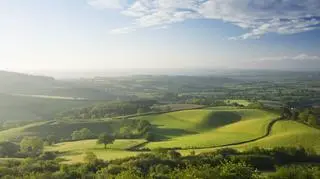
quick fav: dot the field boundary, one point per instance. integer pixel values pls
(268, 131)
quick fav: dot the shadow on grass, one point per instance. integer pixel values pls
(219, 119)
(163, 133)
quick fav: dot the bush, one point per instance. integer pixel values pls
(261, 162)
(296, 172)
(240, 170)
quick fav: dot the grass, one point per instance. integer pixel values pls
(22, 108)
(289, 134)
(73, 152)
(283, 134)
(208, 127)
(16, 133)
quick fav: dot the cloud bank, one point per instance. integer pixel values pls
(258, 17)
(301, 61)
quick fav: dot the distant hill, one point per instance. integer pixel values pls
(11, 82)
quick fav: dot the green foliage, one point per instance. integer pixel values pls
(109, 109)
(90, 157)
(82, 134)
(205, 166)
(31, 145)
(8, 149)
(231, 170)
(192, 172)
(296, 172)
(51, 139)
(105, 139)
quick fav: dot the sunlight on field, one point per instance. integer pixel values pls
(74, 152)
(289, 134)
(209, 127)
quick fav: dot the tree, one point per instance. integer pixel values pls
(32, 145)
(84, 133)
(149, 136)
(51, 139)
(303, 116)
(312, 120)
(90, 157)
(174, 155)
(105, 139)
(286, 113)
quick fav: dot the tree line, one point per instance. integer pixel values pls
(109, 109)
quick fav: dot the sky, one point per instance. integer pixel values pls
(88, 35)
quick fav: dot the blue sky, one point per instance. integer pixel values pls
(109, 34)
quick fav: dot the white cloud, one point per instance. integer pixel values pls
(123, 30)
(300, 57)
(107, 4)
(259, 17)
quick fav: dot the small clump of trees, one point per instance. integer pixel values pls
(306, 116)
(82, 134)
(110, 109)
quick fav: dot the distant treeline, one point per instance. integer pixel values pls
(109, 109)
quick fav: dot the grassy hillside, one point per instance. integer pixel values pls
(34, 108)
(283, 134)
(73, 152)
(289, 133)
(208, 127)
(62, 130)
(19, 132)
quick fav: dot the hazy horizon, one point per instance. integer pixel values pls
(98, 35)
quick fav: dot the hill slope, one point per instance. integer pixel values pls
(288, 134)
(208, 127)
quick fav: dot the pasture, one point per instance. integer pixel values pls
(73, 152)
(208, 127)
(289, 134)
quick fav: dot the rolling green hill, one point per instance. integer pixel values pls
(208, 127)
(22, 108)
(19, 132)
(288, 134)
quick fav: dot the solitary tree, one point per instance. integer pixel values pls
(105, 139)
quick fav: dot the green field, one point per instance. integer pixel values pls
(208, 127)
(201, 130)
(19, 132)
(283, 134)
(62, 130)
(73, 152)
(289, 134)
